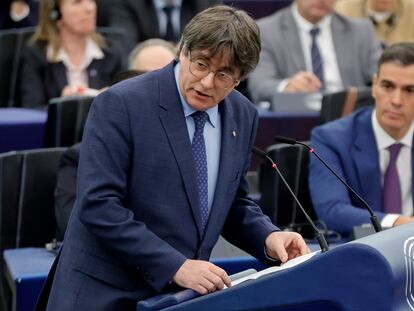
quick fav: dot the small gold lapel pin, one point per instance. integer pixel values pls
(233, 133)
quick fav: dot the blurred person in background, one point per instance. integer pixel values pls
(66, 56)
(146, 19)
(151, 54)
(393, 20)
(307, 47)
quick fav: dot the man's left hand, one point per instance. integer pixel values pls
(284, 246)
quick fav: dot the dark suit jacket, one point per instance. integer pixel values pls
(65, 192)
(41, 80)
(350, 147)
(139, 19)
(356, 47)
(137, 218)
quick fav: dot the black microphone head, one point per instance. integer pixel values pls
(285, 140)
(259, 152)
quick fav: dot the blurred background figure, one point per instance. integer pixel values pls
(393, 20)
(306, 47)
(146, 19)
(66, 56)
(151, 54)
(18, 13)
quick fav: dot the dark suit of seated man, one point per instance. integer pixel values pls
(65, 192)
(361, 148)
(161, 176)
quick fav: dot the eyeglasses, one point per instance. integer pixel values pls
(201, 69)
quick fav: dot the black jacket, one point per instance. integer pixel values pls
(41, 80)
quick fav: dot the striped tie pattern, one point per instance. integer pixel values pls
(317, 66)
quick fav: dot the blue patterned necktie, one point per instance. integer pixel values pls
(200, 159)
(317, 66)
(391, 190)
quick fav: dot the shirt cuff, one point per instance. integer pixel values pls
(282, 85)
(268, 257)
(389, 219)
(265, 251)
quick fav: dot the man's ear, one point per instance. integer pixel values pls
(181, 56)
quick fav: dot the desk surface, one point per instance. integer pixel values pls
(28, 262)
(21, 115)
(26, 270)
(21, 129)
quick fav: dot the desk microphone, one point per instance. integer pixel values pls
(373, 217)
(319, 236)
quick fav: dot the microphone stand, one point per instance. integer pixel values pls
(319, 236)
(374, 220)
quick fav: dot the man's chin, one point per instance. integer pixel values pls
(199, 105)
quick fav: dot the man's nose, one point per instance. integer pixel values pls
(397, 97)
(208, 80)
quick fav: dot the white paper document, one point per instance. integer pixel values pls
(289, 264)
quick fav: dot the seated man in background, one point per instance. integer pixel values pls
(65, 192)
(372, 149)
(151, 54)
(142, 20)
(308, 48)
(393, 20)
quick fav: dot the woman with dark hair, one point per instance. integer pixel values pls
(66, 56)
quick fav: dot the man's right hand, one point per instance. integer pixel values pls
(303, 81)
(201, 276)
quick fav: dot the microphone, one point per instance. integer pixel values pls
(374, 220)
(319, 236)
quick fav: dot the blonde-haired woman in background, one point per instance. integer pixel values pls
(66, 56)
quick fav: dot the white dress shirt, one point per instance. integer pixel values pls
(404, 166)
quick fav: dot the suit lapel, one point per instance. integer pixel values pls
(291, 37)
(59, 75)
(341, 40)
(366, 160)
(175, 127)
(226, 167)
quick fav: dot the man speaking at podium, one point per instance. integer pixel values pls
(372, 149)
(161, 176)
